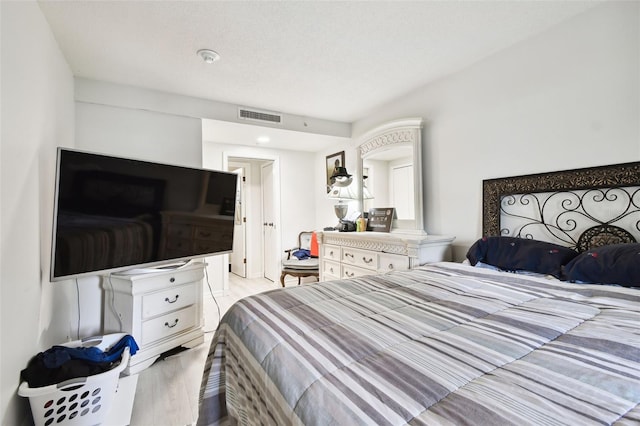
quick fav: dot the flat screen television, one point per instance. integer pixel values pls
(113, 214)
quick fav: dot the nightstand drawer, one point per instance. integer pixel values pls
(169, 324)
(331, 252)
(170, 299)
(362, 258)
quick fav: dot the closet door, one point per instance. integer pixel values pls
(402, 191)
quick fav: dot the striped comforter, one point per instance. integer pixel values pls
(442, 344)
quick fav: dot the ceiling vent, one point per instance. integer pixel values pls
(261, 116)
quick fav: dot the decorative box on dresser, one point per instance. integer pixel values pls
(161, 310)
(353, 254)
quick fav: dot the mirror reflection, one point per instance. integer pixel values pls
(389, 178)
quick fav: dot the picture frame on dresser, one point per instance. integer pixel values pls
(381, 219)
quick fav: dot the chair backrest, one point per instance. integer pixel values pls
(304, 240)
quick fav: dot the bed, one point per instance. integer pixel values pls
(516, 336)
(93, 242)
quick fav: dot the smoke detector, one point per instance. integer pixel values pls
(208, 55)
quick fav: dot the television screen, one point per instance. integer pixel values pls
(115, 213)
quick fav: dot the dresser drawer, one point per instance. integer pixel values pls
(331, 270)
(212, 232)
(392, 262)
(362, 258)
(204, 246)
(331, 252)
(178, 244)
(167, 300)
(168, 325)
(350, 271)
(179, 230)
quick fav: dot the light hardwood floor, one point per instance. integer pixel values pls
(167, 392)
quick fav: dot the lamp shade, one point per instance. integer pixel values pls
(343, 193)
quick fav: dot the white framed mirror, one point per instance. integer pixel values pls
(390, 160)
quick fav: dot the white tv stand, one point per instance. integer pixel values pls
(161, 309)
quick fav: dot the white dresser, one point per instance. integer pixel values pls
(161, 310)
(353, 254)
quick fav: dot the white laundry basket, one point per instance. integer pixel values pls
(80, 401)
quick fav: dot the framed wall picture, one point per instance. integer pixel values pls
(333, 161)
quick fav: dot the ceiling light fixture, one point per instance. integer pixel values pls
(208, 55)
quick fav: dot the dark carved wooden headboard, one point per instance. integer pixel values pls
(577, 208)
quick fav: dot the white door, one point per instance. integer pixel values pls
(402, 197)
(271, 256)
(238, 259)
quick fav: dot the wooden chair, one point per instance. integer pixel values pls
(309, 267)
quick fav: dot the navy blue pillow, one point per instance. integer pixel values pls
(521, 254)
(613, 264)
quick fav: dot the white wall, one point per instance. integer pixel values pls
(133, 133)
(117, 95)
(567, 98)
(37, 116)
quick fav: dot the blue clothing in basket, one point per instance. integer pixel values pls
(60, 363)
(58, 355)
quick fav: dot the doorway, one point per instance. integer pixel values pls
(258, 239)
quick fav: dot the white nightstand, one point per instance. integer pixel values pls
(161, 310)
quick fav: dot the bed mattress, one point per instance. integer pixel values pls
(440, 344)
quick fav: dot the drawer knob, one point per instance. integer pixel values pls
(166, 299)
(365, 260)
(166, 324)
(172, 280)
(348, 255)
(391, 266)
(331, 253)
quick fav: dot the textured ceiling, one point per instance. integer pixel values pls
(329, 60)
